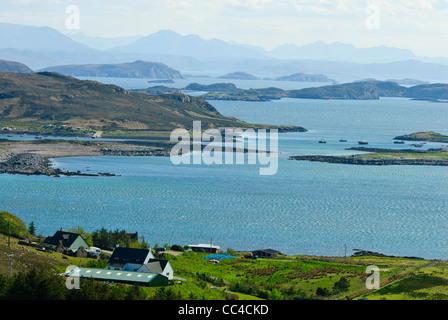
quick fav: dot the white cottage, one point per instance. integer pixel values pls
(158, 266)
(129, 259)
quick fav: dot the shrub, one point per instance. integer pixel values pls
(342, 285)
(323, 292)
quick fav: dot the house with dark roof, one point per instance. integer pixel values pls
(66, 241)
(266, 253)
(158, 266)
(129, 259)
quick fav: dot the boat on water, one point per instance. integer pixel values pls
(38, 138)
(399, 142)
(363, 142)
(322, 141)
(418, 145)
(342, 140)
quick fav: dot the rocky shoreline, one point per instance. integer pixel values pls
(34, 157)
(29, 164)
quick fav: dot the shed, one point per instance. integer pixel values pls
(205, 247)
(119, 276)
(266, 253)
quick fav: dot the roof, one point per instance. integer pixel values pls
(270, 251)
(122, 255)
(113, 275)
(67, 238)
(162, 263)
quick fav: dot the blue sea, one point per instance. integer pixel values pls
(305, 208)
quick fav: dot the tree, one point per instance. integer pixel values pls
(324, 292)
(32, 228)
(35, 284)
(342, 285)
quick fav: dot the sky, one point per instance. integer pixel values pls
(419, 25)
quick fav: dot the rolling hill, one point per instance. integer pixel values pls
(12, 66)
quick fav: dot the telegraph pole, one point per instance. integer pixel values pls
(10, 264)
(9, 236)
(345, 251)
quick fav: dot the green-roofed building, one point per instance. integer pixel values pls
(119, 276)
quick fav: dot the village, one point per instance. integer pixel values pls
(128, 265)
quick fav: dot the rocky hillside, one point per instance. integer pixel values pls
(12, 66)
(51, 99)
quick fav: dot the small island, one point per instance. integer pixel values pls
(424, 136)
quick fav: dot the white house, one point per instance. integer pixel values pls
(129, 259)
(158, 266)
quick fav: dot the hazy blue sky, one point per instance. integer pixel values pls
(420, 25)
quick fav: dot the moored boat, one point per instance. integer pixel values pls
(363, 142)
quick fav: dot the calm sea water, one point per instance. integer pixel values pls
(306, 208)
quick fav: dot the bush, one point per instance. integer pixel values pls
(323, 292)
(342, 285)
(176, 247)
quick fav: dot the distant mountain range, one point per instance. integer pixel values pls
(171, 43)
(42, 47)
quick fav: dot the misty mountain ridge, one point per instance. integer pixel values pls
(172, 43)
(41, 47)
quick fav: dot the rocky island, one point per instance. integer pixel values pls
(359, 90)
(384, 157)
(424, 136)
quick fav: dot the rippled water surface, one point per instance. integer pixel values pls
(306, 208)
